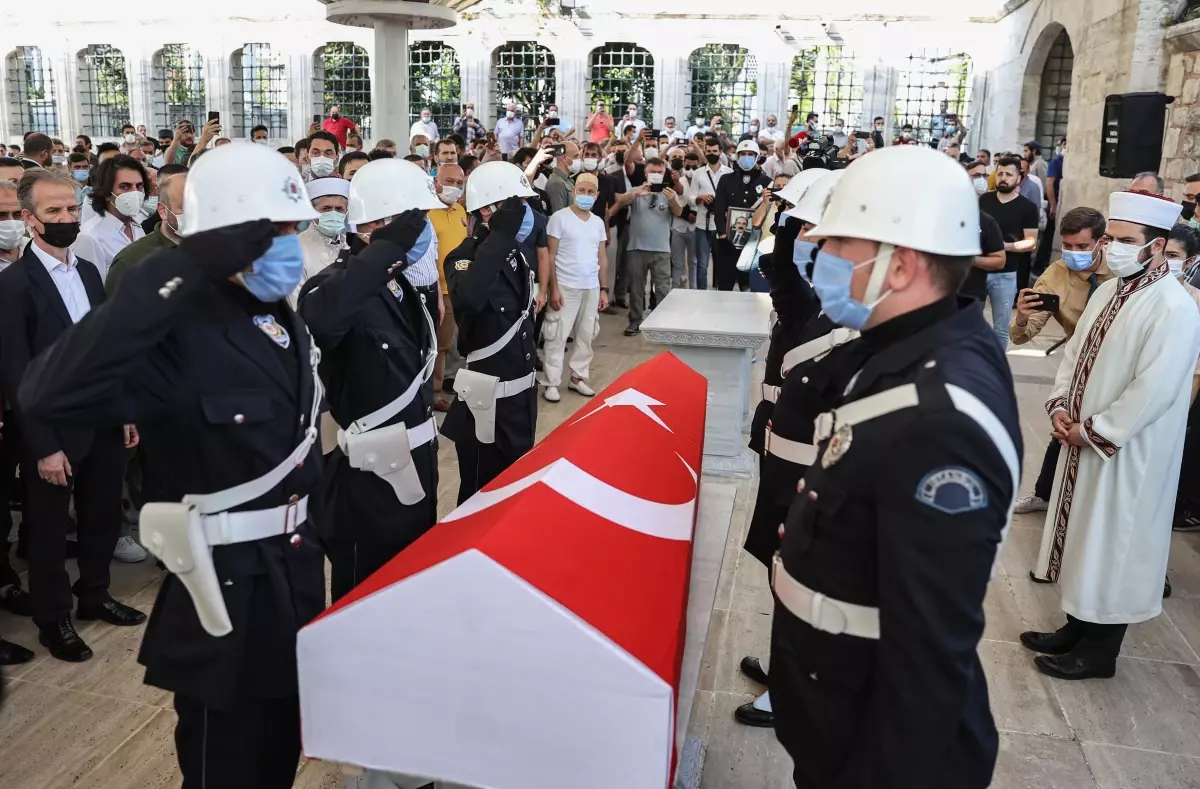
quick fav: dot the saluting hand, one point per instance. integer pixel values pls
(404, 230)
(507, 221)
(228, 250)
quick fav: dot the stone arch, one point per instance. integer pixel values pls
(1031, 84)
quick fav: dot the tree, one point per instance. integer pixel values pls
(525, 76)
(623, 74)
(724, 80)
(434, 82)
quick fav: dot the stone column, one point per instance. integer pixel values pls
(1145, 65)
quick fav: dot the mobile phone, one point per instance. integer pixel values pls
(1049, 303)
(559, 150)
(655, 134)
(862, 135)
(213, 115)
(658, 187)
(316, 118)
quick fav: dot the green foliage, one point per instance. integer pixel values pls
(434, 82)
(183, 77)
(525, 77)
(825, 80)
(724, 80)
(623, 74)
(105, 90)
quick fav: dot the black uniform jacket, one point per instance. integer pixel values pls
(217, 404)
(32, 316)
(374, 340)
(739, 189)
(489, 283)
(795, 304)
(908, 520)
(810, 389)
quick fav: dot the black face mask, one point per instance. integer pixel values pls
(677, 164)
(713, 158)
(60, 235)
(336, 115)
(1189, 210)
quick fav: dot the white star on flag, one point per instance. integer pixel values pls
(634, 399)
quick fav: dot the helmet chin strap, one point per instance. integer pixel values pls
(883, 262)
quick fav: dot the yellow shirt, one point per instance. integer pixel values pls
(450, 225)
(1072, 288)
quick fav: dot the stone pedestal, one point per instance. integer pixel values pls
(716, 333)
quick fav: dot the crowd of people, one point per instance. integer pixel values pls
(231, 354)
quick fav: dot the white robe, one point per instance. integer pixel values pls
(319, 251)
(1126, 376)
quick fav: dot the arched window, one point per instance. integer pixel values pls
(342, 78)
(623, 74)
(934, 86)
(103, 90)
(724, 80)
(1054, 98)
(524, 73)
(434, 84)
(258, 84)
(826, 80)
(32, 101)
(177, 74)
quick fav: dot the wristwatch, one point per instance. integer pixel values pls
(604, 289)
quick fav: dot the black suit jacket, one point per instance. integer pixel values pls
(32, 316)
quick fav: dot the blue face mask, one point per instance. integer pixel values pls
(831, 281)
(1078, 261)
(802, 255)
(585, 202)
(80, 175)
(331, 224)
(747, 162)
(526, 224)
(422, 244)
(276, 274)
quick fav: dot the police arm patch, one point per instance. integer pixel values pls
(952, 490)
(462, 265)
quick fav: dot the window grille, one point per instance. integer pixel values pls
(623, 74)
(724, 79)
(32, 100)
(1054, 98)
(935, 84)
(826, 80)
(342, 78)
(177, 73)
(434, 84)
(260, 91)
(524, 75)
(103, 90)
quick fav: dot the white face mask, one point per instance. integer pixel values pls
(321, 166)
(1123, 260)
(58, 159)
(130, 138)
(699, 121)
(422, 151)
(350, 149)
(575, 167)
(633, 113)
(590, 164)
(129, 203)
(754, 127)
(425, 118)
(151, 204)
(510, 114)
(450, 194)
(654, 179)
(651, 153)
(980, 185)
(839, 129)
(470, 112)
(1175, 266)
(11, 233)
(263, 141)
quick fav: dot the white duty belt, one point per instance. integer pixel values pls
(182, 534)
(480, 391)
(815, 349)
(387, 451)
(834, 616)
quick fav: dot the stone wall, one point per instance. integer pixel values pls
(1181, 146)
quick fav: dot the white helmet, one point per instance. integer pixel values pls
(876, 200)
(387, 187)
(241, 182)
(812, 205)
(799, 184)
(495, 182)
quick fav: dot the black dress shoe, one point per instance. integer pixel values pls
(1037, 580)
(622, 303)
(448, 385)
(17, 600)
(110, 611)
(1166, 588)
(1076, 666)
(1057, 643)
(753, 669)
(13, 654)
(63, 642)
(749, 715)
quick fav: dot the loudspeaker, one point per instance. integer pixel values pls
(1132, 135)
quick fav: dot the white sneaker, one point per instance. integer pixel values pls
(1031, 503)
(551, 394)
(581, 386)
(129, 551)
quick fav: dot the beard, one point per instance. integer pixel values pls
(1006, 188)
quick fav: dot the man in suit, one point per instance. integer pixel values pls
(38, 149)
(42, 295)
(740, 234)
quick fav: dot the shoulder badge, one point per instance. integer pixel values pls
(396, 290)
(512, 259)
(839, 445)
(952, 490)
(272, 329)
(462, 265)
(758, 189)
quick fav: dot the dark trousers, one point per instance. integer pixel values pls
(8, 487)
(96, 485)
(1045, 480)
(621, 288)
(725, 273)
(1045, 247)
(479, 464)
(1101, 642)
(352, 562)
(254, 744)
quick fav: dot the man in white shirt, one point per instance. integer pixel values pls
(672, 131)
(577, 240)
(703, 192)
(772, 134)
(631, 119)
(425, 126)
(510, 131)
(118, 191)
(840, 138)
(43, 294)
(699, 127)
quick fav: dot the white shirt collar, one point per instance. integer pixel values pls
(113, 224)
(51, 262)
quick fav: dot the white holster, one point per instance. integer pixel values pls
(478, 391)
(174, 533)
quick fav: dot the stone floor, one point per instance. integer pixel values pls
(95, 725)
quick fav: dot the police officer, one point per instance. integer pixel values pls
(891, 539)
(201, 348)
(378, 346)
(743, 188)
(814, 369)
(493, 419)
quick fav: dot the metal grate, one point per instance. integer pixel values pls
(103, 90)
(342, 78)
(1054, 98)
(525, 76)
(434, 84)
(724, 79)
(826, 80)
(32, 100)
(623, 74)
(177, 74)
(934, 84)
(260, 91)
